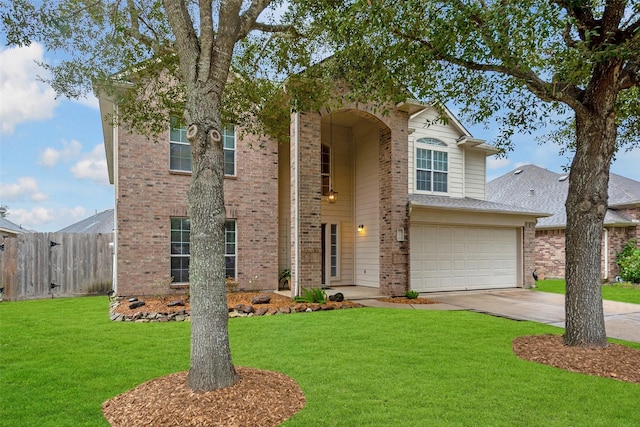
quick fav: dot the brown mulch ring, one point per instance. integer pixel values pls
(405, 300)
(260, 398)
(615, 361)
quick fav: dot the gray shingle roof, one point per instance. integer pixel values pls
(532, 187)
(99, 223)
(12, 227)
(467, 204)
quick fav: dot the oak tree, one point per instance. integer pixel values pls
(162, 58)
(523, 62)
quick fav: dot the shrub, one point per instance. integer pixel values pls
(312, 295)
(411, 294)
(629, 262)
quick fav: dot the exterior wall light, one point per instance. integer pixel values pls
(361, 227)
(332, 196)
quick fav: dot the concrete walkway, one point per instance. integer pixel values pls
(622, 320)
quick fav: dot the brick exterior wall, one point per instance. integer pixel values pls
(550, 254)
(148, 195)
(394, 203)
(528, 254)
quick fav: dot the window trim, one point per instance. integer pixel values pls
(325, 191)
(225, 150)
(235, 247)
(431, 145)
(179, 254)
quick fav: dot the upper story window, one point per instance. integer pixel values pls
(180, 150)
(432, 165)
(229, 146)
(325, 168)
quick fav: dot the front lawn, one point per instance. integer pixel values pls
(622, 292)
(61, 359)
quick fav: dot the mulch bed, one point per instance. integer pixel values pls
(615, 361)
(260, 398)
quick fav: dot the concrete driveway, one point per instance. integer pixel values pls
(622, 320)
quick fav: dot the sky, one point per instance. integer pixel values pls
(53, 170)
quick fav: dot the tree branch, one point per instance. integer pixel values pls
(250, 16)
(186, 37)
(563, 92)
(207, 39)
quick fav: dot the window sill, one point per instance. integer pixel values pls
(187, 173)
(179, 286)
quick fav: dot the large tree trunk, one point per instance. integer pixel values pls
(211, 366)
(586, 207)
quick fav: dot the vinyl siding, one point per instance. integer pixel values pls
(425, 127)
(367, 270)
(475, 172)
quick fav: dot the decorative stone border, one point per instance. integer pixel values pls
(240, 310)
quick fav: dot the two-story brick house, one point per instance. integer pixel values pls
(392, 200)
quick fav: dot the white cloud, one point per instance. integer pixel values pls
(24, 97)
(26, 187)
(70, 150)
(89, 101)
(92, 166)
(39, 216)
(497, 162)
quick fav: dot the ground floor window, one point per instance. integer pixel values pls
(181, 249)
(230, 249)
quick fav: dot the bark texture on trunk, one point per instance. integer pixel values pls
(211, 367)
(586, 207)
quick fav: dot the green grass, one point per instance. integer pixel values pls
(622, 292)
(61, 359)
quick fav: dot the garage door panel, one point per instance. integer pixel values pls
(460, 258)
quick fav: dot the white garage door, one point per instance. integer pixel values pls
(448, 258)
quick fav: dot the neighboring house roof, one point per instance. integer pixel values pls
(8, 227)
(99, 223)
(467, 204)
(532, 187)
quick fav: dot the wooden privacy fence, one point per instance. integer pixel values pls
(47, 265)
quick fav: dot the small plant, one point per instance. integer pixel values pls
(629, 262)
(284, 278)
(312, 295)
(411, 294)
(231, 283)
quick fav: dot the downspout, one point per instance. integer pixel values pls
(606, 253)
(464, 173)
(114, 255)
(296, 210)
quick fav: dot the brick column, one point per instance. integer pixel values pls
(528, 254)
(394, 200)
(305, 143)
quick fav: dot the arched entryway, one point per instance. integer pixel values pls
(360, 238)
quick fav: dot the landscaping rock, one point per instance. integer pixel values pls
(136, 304)
(133, 299)
(285, 310)
(261, 299)
(176, 303)
(261, 311)
(246, 309)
